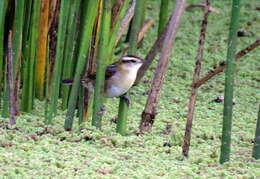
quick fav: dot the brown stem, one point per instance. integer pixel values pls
(115, 11)
(126, 20)
(211, 9)
(154, 94)
(196, 75)
(92, 61)
(54, 6)
(10, 77)
(17, 90)
(52, 33)
(222, 66)
(151, 55)
(146, 26)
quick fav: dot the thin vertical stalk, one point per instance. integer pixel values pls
(151, 55)
(10, 77)
(81, 105)
(91, 66)
(17, 33)
(196, 75)
(54, 15)
(137, 20)
(256, 149)
(88, 23)
(115, 30)
(29, 75)
(228, 97)
(135, 28)
(17, 49)
(88, 105)
(115, 10)
(164, 15)
(148, 115)
(126, 21)
(101, 64)
(5, 112)
(3, 7)
(27, 20)
(3, 66)
(47, 79)
(26, 49)
(70, 49)
(55, 82)
(42, 50)
(54, 11)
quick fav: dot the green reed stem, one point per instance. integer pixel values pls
(228, 98)
(136, 25)
(55, 81)
(88, 23)
(101, 65)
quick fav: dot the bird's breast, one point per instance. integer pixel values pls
(119, 84)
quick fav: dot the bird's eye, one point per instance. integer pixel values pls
(129, 61)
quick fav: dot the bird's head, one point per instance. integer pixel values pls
(130, 62)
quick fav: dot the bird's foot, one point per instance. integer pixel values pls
(127, 99)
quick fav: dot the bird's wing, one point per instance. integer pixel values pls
(110, 71)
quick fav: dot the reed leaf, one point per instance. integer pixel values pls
(164, 15)
(87, 28)
(3, 67)
(17, 34)
(27, 21)
(30, 56)
(42, 50)
(70, 49)
(87, 95)
(55, 81)
(101, 64)
(26, 47)
(3, 7)
(114, 31)
(17, 50)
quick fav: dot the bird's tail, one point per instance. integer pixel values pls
(86, 83)
(67, 81)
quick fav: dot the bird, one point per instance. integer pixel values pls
(119, 77)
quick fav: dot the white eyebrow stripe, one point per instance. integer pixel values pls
(130, 58)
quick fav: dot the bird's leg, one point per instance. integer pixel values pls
(127, 99)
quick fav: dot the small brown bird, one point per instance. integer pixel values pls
(119, 76)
